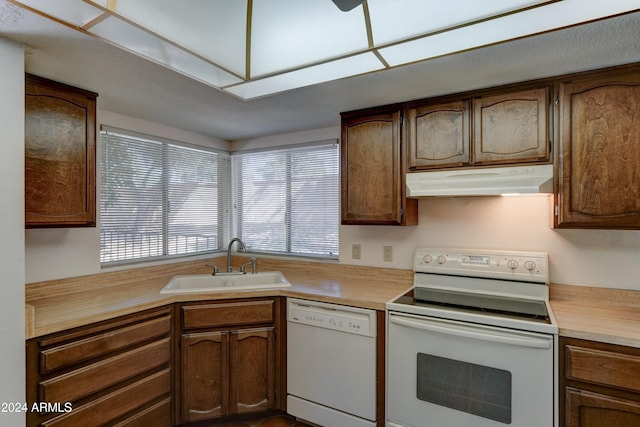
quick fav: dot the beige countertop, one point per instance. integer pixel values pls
(598, 314)
(58, 305)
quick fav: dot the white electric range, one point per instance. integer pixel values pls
(474, 343)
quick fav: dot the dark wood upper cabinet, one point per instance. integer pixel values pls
(372, 169)
(60, 144)
(511, 128)
(599, 162)
(439, 135)
(484, 128)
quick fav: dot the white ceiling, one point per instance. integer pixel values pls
(136, 87)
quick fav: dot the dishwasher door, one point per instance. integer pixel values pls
(331, 364)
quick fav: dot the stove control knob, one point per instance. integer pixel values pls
(530, 265)
(427, 259)
(441, 259)
(512, 264)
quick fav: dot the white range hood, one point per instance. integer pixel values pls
(481, 182)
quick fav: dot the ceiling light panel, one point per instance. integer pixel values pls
(213, 29)
(529, 22)
(70, 11)
(393, 21)
(287, 34)
(346, 67)
(129, 37)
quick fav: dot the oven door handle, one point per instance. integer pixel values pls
(477, 333)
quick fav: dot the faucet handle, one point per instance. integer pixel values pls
(252, 261)
(215, 268)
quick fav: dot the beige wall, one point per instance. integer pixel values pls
(581, 257)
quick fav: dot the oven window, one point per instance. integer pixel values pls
(475, 389)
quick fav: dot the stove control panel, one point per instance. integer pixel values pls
(510, 265)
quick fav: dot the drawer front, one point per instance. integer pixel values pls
(611, 369)
(104, 343)
(158, 415)
(108, 372)
(120, 402)
(227, 314)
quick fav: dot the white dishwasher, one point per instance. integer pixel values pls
(331, 364)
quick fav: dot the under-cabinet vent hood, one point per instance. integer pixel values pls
(481, 182)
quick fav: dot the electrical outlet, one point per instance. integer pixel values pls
(387, 253)
(355, 251)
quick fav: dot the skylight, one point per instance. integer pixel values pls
(257, 48)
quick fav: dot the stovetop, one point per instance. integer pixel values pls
(506, 289)
(538, 312)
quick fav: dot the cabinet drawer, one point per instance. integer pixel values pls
(227, 314)
(617, 370)
(120, 402)
(158, 415)
(108, 372)
(88, 348)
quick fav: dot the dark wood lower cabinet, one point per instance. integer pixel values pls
(587, 409)
(205, 379)
(229, 359)
(599, 383)
(252, 367)
(117, 373)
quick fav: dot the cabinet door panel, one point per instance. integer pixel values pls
(59, 154)
(600, 166)
(252, 370)
(511, 128)
(587, 409)
(439, 135)
(205, 381)
(372, 185)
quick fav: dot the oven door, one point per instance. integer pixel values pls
(443, 373)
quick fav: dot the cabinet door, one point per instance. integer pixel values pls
(205, 375)
(439, 135)
(599, 166)
(371, 168)
(60, 133)
(252, 370)
(587, 409)
(511, 128)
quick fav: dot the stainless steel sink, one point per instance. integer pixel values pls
(204, 283)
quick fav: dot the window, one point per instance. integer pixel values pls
(160, 198)
(287, 199)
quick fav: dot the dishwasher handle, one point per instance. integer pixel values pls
(477, 333)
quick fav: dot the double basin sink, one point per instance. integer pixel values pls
(206, 283)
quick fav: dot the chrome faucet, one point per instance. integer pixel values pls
(240, 248)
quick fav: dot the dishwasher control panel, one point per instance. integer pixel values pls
(332, 316)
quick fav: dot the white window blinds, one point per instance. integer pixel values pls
(160, 198)
(287, 199)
